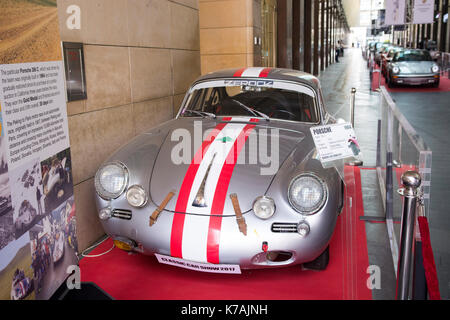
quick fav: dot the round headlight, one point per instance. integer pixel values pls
(307, 193)
(264, 207)
(435, 69)
(136, 196)
(395, 69)
(111, 180)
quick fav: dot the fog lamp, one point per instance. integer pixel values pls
(264, 207)
(105, 213)
(303, 229)
(136, 196)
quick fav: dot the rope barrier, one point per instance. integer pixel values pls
(428, 260)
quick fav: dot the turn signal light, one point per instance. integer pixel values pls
(123, 245)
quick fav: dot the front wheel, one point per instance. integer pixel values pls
(320, 263)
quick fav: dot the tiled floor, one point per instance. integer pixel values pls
(428, 112)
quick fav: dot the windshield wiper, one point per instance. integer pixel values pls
(202, 114)
(253, 111)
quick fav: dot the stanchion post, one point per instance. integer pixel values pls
(411, 181)
(370, 70)
(352, 106)
(379, 76)
(356, 163)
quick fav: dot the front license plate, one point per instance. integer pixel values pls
(202, 267)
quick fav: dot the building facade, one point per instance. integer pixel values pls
(296, 34)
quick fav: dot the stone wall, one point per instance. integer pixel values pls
(140, 57)
(228, 29)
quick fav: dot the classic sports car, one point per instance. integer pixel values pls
(56, 176)
(21, 286)
(413, 67)
(25, 215)
(248, 189)
(387, 58)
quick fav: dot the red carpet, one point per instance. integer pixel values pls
(140, 277)
(444, 85)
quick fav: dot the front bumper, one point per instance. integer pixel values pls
(416, 79)
(234, 247)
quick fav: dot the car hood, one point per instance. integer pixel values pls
(249, 177)
(418, 67)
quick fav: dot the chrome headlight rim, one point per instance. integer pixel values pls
(435, 68)
(264, 198)
(104, 194)
(143, 192)
(396, 70)
(317, 207)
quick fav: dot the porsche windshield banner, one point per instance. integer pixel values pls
(37, 211)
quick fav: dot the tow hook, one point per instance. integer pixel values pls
(265, 246)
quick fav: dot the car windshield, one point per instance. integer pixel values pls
(252, 101)
(412, 56)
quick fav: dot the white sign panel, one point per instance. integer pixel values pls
(395, 12)
(34, 111)
(38, 239)
(335, 142)
(196, 266)
(423, 11)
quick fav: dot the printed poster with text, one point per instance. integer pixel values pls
(37, 211)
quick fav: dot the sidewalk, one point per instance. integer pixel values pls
(337, 82)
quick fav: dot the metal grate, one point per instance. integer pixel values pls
(284, 227)
(122, 214)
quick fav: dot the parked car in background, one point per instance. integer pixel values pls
(213, 209)
(413, 67)
(379, 51)
(387, 58)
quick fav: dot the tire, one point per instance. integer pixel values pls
(320, 263)
(435, 85)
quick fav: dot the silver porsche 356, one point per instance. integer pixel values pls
(234, 179)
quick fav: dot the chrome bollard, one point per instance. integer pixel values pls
(352, 107)
(411, 180)
(356, 163)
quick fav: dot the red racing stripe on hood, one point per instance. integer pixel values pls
(215, 222)
(176, 237)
